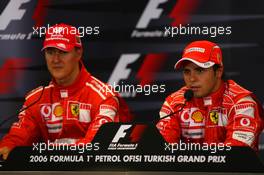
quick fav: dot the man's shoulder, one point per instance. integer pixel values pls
(100, 89)
(37, 92)
(236, 93)
(176, 97)
(236, 88)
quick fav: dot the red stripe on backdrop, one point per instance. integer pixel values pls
(40, 12)
(183, 10)
(9, 73)
(152, 63)
(137, 133)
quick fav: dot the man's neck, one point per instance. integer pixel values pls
(70, 79)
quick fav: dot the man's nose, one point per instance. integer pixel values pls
(192, 77)
(56, 56)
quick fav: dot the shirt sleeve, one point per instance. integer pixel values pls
(244, 124)
(107, 112)
(169, 127)
(23, 132)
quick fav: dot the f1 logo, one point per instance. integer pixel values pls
(151, 12)
(121, 133)
(135, 133)
(12, 12)
(121, 71)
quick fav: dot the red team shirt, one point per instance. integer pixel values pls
(229, 115)
(70, 114)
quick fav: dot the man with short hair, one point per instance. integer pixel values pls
(72, 107)
(219, 112)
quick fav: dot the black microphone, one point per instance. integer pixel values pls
(23, 109)
(188, 95)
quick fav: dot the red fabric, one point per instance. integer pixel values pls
(62, 36)
(230, 115)
(203, 53)
(68, 113)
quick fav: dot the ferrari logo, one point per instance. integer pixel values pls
(214, 117)
(75, 109)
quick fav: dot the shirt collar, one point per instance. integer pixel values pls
(68, 91)
(214, 99)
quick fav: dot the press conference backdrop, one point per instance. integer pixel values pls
(129, 44)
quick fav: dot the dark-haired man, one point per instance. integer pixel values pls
(219, 112)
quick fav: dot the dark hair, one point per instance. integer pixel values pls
(217, 66)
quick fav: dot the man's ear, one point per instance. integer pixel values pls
(219, 72)
(79, 52)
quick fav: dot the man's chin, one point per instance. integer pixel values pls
(57, 75)
(197, 95)
(58, 79)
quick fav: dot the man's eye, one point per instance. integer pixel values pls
(62, 52)
(200, 70)
(186, 71)
(50, 52)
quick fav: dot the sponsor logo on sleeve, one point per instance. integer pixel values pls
(164, 111)
(245, 109)
(107, 110)
(244, 123)
(244, 136)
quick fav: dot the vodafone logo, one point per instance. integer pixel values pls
(12, 12)
(245, 122)
(185, 117)
(51, 112)
(45, 111)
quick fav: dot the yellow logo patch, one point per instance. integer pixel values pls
(75, 109)
(214, 116)
(58, 111)
(197, 116)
